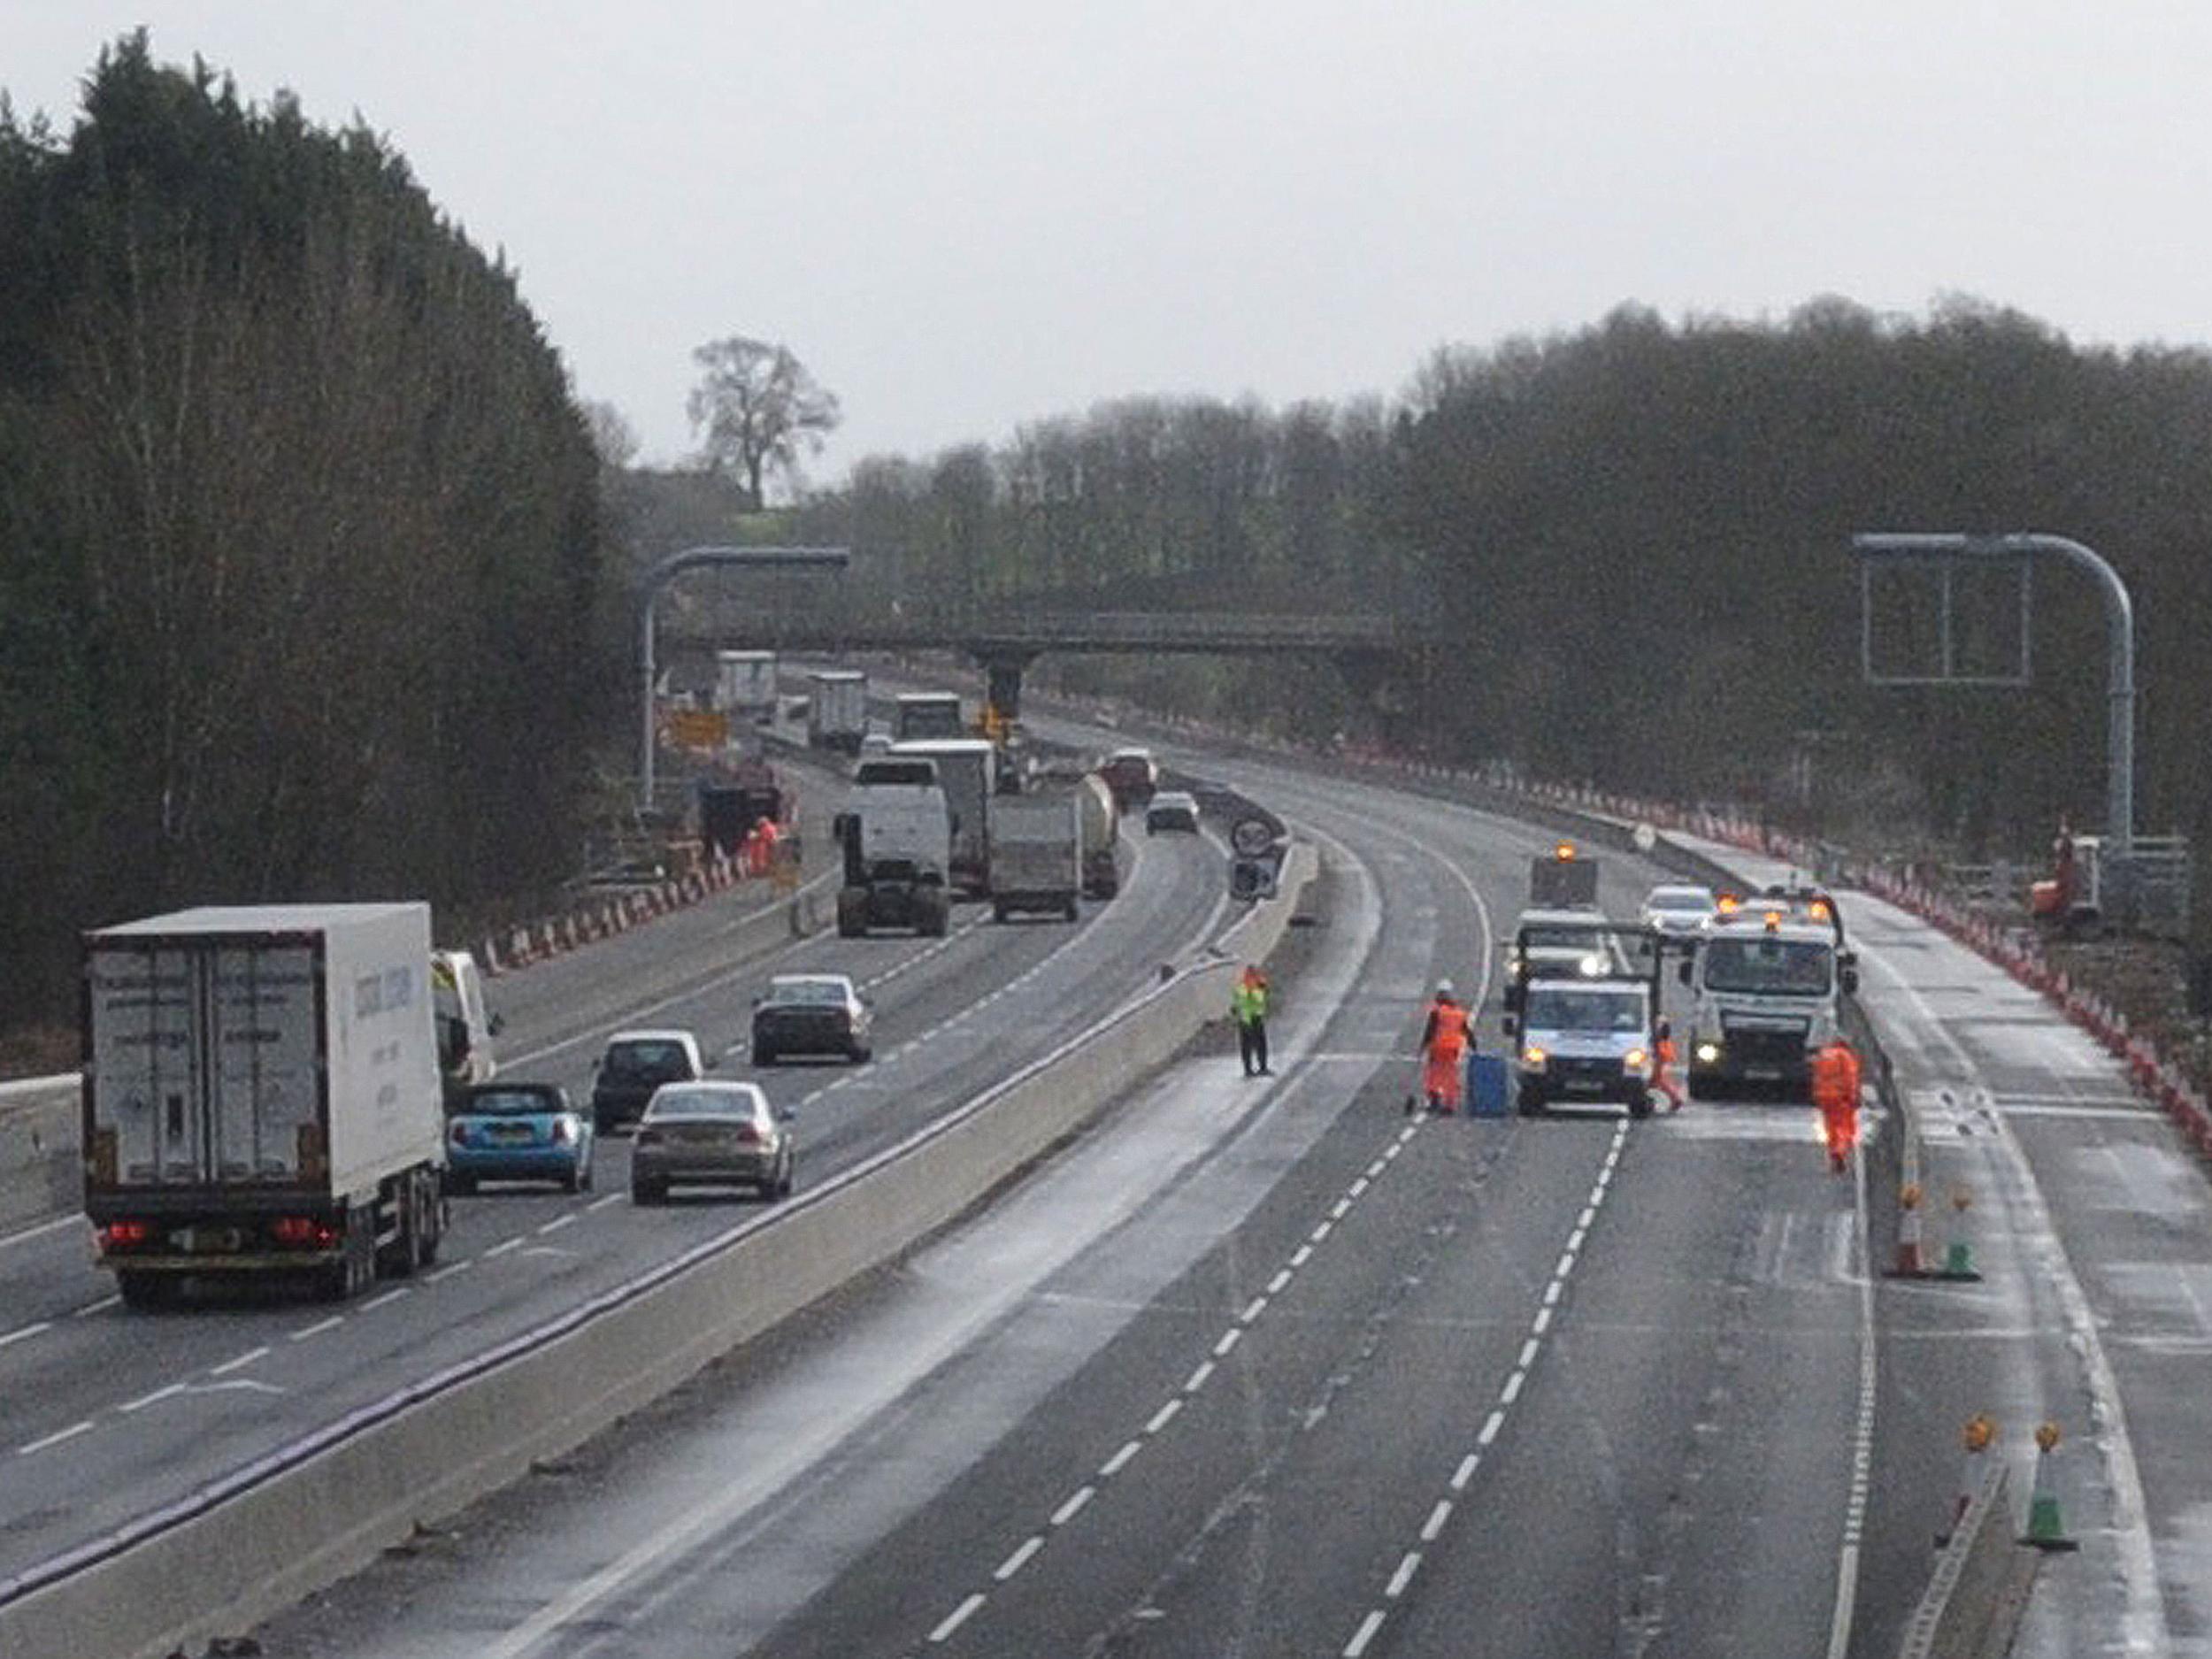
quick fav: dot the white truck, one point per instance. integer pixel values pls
(967, 771)
(1036, 854)
(923, 715)
(1767, 985)
(261, 1094)
(1578, 1039)
(837, 709)
(745, 685)
(896, 837)
(466, 1026)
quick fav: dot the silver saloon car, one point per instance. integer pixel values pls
(711, 1133)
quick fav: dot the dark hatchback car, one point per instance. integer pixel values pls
(810, 1013)
(635, 1064)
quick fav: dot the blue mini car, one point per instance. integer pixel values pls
(517, 1131)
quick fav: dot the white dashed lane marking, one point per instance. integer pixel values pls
(1463, 1473)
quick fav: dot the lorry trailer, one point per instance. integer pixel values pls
(837, 709)
(1036, 854)
(262, 1094)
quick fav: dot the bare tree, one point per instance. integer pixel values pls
(612, 436)
(758, 405)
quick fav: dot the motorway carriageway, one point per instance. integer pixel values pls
(106, 1413)
(1265, 1367)
(1258, 1366)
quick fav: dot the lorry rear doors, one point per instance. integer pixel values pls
(206, 1064)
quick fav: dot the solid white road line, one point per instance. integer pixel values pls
(9, 1240)
(69, 1433)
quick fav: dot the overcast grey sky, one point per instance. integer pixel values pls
(965, 214)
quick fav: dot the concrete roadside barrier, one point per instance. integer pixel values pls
(41, 1173)
(259, 1540)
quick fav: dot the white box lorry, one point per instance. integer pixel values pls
(745, 685)
(896, 837)
(1036, 854)
(967, 771)
(837, 709)
(262, 1094)
(921, 716)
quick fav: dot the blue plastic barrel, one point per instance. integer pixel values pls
(1487, 1089)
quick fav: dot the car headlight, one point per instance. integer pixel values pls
(1709, 1052)
(1593, 967)
(1636, 1060)
(1532, 1058)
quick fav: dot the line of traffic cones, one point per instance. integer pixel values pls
(1979, 1436)
(2046, 1526)
(1911, 1261)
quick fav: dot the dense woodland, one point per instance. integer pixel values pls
(1631, 547)
(311, 583)
(302, 590)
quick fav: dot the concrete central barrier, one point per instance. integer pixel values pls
(259, 1540)
(40, 1174)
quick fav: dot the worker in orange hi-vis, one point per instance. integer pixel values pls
(1662, 1068)
(1836, 1080)
(1445, 1040)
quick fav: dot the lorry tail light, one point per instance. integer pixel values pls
(123, 1235)
(302, 1233)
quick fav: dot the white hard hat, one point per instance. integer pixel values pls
(1443, 987)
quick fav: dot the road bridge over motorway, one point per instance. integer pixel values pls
(1006, 643)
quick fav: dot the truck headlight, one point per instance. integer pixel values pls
(1637, 1061)
(1532, 1058)
(1707, 1052)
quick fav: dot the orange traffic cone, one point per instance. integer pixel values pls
(1910, 1263)
(1977, 1436)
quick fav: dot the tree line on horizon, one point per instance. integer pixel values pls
(312, 583)
(304, 592)
(1628, 550)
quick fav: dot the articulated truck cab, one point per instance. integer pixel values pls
(895, 833)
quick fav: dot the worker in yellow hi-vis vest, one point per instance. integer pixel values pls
(1248, 1002)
